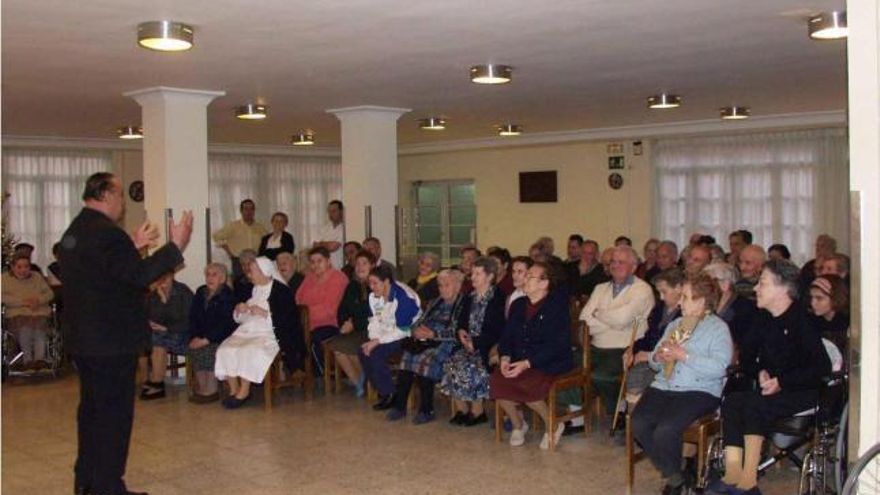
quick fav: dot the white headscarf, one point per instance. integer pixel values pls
(269, 269)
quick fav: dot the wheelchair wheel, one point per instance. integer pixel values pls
(865, 476)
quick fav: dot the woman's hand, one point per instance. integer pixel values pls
(505, 367)
(258, 311)
(627, 357)
(466, 340)
(769, 386)
(423, 333)
(198, 343)
(670, 351)
(642, 357)
(368, 347)
(157, 327)
(517, 368)
(241, 308)
(347, 327)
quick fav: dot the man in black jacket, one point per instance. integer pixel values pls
(105, 324)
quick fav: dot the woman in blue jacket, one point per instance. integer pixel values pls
(210, 322)
(535, 347)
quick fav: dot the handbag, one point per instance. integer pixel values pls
(418, 346)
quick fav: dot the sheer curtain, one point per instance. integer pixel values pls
(785, 187)
(45, 189)
(301, 187)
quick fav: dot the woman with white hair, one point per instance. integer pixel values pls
(268, 322)
(210, 323)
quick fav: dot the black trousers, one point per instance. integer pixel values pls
(405, 381)
(750, 413)
(104, 419)
(659, 420)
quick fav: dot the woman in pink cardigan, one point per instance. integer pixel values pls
(321, 292)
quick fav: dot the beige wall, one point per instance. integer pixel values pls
(586, 203)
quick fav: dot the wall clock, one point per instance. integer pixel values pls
(615, 180)
(136, 191)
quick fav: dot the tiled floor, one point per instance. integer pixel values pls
(330, 445)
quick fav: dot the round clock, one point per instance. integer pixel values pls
(615, 180)
(136, 191)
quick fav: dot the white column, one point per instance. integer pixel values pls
(369, 171)
(863, 51)
(175, 148)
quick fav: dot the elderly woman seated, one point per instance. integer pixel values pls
(287, 264)
(321, 291)
(431, 344)
(353, 315)
(535, 347)
(425, 283)
(691, 363)
(669, 284)
(26, 296)
(168, 316)
(466, 374)
(787, 372)
(268, 322)
(394, 307)
(210, 323)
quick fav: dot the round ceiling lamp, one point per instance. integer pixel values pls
(432, 124)
(664, 100)
(510, 130)
(491, 74)
(735, 113)
(828, 26)
(303, 138)
(252, 111)
(165, 36)
(130, 132)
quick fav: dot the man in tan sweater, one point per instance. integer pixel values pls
(610, 314)
(26, 296)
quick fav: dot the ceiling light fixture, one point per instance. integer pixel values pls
(432, 124)
(510, 130)
(664, 100)
(130, 132)
(828, 26)
(252, 111)
(491, 74)
(165, 36)
(303, 138)
(735, 113)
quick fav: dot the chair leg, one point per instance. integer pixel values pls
(190, 378)
(701, 455)
(586, 411)
(630, 457)
(268, 386)
(329, 363)
(337, 376)
(551, 419)
(499, 420)
(371, 392)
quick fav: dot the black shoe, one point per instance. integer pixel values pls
(572, 430)
(473, 421)
(153, 393)
(459, 419)
(384, 404)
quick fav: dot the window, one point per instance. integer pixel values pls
(45, 189)
(301, 187)
(445, 218)
(785, 187)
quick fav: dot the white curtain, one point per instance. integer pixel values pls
(301, 187)
(785, 187)
(45, 189)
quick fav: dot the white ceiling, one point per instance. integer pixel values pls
(578, 64)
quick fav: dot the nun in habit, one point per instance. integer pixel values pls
(268, 324)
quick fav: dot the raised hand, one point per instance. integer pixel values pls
(181, 231)
(145, 236)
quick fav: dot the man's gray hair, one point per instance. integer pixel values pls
(634, 256)
(429, 255)
(722, 272)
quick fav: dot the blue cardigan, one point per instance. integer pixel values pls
(545, 340)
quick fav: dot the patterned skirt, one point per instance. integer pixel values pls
(428, 363)
(174, 342)
(465, 377)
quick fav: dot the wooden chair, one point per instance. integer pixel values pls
(698, 433)
(174, 364)
(577, 378)
(306, 379)
(331, 365)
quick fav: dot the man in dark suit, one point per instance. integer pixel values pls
(105, 324)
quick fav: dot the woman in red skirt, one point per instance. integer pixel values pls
(534, 348)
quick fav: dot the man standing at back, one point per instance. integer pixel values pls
(332, 235)
(238, 235)
(105, 324)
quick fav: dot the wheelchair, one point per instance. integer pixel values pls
(12, 355)
(813, 440)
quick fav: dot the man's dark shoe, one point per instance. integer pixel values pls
(458, 419)
(476, 420)
(384, 403)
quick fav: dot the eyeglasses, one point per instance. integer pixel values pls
(530, 277)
